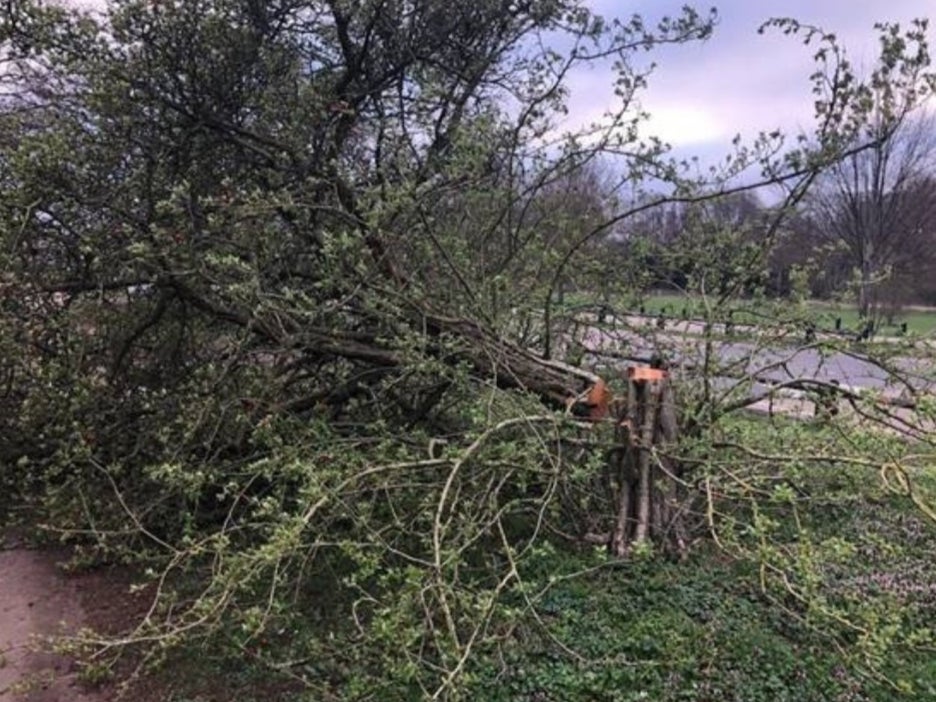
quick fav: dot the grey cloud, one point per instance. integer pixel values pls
(739, 81)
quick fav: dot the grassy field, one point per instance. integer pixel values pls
(712, 628)
(824, 314)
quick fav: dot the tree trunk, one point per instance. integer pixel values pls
(650, 395)
(865, 285)
(649, 493)
(513, 366)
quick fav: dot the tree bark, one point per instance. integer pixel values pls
(513, 366)
(644, 472)
(864, 289)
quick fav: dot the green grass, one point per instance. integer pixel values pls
(697, 630)
(694, 631)
(703, 629)
(921, 322)
(824, 314)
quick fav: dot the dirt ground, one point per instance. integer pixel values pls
(38, 600)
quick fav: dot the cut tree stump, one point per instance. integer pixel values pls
(647, 488)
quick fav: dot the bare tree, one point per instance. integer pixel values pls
(877, 206)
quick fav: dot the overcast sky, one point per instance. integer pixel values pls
(701, 95)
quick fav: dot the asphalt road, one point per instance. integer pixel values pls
(773, 359)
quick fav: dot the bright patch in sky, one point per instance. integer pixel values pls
(686, 124)
(739, 82)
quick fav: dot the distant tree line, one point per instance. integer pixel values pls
(866, 231)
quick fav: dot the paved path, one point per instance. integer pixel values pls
(752, 367)
(36, 600)
(773, 360)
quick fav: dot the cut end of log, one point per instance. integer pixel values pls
(593, 404)
(643, 373)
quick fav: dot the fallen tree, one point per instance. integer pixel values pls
(278, 283)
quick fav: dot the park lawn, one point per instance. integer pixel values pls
(918, 321)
